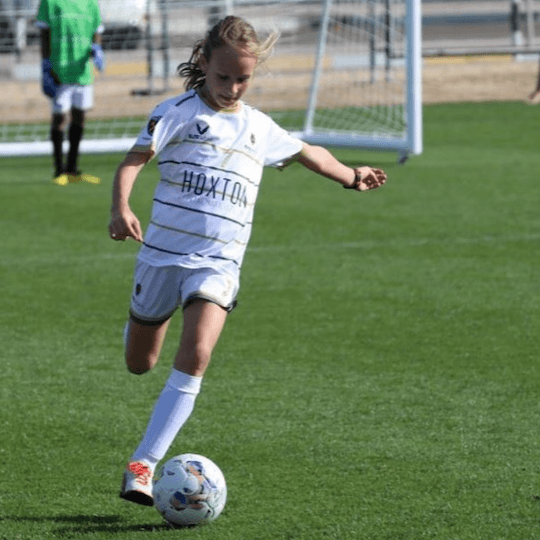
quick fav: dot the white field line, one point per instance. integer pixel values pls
(55, 260)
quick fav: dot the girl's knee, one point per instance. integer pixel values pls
(142, 346)
(136, 369)
(193, 359)
(139, 365)
(202, 353)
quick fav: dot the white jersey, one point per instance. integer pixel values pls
(211, 165)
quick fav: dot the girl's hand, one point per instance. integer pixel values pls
(125, 225)
(367, 178)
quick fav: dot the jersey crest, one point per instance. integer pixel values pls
(152, 124)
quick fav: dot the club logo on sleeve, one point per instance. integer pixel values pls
(152, 124)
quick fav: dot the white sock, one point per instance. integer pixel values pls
(172, 409)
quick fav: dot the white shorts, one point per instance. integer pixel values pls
(158, 291)
(73, 96)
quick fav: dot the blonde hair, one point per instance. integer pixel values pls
(232, 31)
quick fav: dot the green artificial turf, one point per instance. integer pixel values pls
(379, 379)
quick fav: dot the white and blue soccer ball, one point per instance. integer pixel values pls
(189, 489)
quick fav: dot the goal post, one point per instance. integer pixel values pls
(401, 62)
(343, 73)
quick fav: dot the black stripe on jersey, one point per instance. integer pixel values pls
(184, 254)
(206, 167)
(184, 100)
(199, 212)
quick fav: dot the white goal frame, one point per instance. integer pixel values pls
(409, 57)
(412, 141)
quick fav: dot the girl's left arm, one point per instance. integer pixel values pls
(321, 161)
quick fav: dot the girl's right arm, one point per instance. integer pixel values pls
(124, 222)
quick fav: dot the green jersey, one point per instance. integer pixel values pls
(72, 24)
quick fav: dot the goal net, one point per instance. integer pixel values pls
(343, 73)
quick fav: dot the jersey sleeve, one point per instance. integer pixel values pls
(167, 128)
(281, 146)
(158, 130)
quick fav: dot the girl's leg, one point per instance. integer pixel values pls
(203, 323)
(143, 345)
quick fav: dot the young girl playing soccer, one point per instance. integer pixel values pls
(212, 149)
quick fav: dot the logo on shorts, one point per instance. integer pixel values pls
(252, 138)
(138, 288)
(152, 124)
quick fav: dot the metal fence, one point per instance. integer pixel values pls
(449, 26)
(145, 40)
(148, 33)
(469, 27)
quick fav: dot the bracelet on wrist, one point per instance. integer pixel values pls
(356, 181)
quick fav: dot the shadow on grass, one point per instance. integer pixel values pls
(68, 526)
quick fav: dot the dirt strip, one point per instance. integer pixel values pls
(444, 80)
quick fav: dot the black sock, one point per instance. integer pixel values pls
(75, 136)
(57, 138)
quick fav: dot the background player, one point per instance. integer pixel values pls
(534, 97)
(70, 36)
(212, 148)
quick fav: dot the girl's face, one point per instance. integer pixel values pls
(228, 75)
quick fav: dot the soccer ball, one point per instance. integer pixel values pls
(189, 489)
